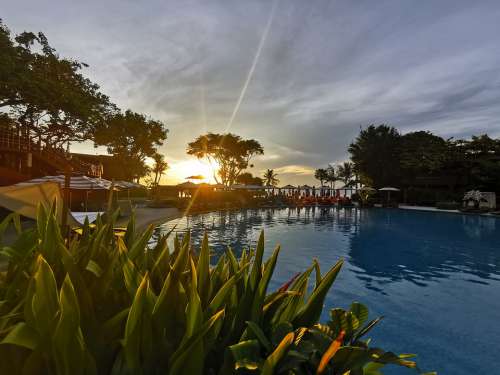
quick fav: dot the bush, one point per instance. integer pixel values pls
(103, 303)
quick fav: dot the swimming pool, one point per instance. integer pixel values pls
(435, 277)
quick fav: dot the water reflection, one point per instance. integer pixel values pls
(396, 245)
(382, 246)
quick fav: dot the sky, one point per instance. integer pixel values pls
(301, 77)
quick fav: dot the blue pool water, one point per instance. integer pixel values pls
(435, 277)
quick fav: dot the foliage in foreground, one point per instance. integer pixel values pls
(105, 304)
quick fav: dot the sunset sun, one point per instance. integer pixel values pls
(180, 171)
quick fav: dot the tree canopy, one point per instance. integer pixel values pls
(53, 103)
(131, 137)
(246, 178)
(321, 174)
(47, 94)
(375, 154)
(384, 157)
(229, 154)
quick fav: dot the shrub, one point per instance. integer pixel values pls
(107, 303)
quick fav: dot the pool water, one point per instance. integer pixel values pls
(435, 277)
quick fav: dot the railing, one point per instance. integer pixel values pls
(10, 141)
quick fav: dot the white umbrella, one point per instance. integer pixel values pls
(128, 185)
(76, 182)
(389, 189)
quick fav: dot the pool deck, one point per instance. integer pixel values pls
(426, 208)
(434, 209)
(145, 216)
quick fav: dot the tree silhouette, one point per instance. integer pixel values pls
(228, 154)
(159, 168)
(131, 137)
(321, 174)
(270, 178)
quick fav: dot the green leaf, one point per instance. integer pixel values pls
(245, 355)
(222, 293)
(311, 311)
(132, 277)
(69, 346)
(139, 247)
(317, 271)
(136, 327)
(373, 368)
(360, 311)
(129, 237)
(45, 304)
(203, 271)
(291, 305)
(41, 220)
(112, 327)
(260, 295)
(171, 281)
(338, 321)
(256, 272)
(367, 328)
(51, 240)
(94, 268)
(22, 335)
(268, 368)
(259, 334)
(182, 355)
(194, 314)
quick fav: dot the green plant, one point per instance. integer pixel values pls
(102, 303)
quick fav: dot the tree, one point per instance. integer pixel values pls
(131, 137)
(47, 94)
(159, 168)
(345, 172)
(247, 178)
(331, 175)
(228, 154)
(375, 154)
(271, 178)
(321, 174)
(421, 153)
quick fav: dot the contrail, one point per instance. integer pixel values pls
(252, 68)
(203, 107)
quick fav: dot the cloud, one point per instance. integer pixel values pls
(301, 170)
(326, 68)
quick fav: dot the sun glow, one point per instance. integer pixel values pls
(180, 170)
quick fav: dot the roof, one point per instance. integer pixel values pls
(187, 185)
(128, 185)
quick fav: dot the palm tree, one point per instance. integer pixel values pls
(345, 172)
(159, 168)
(270, 178)
(321, 174)
(331, 175)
